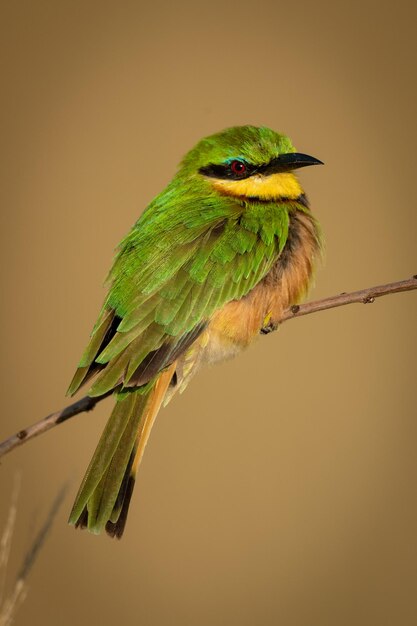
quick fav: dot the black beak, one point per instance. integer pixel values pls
(287, 162)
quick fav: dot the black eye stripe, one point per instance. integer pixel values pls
(225, 171)
(282, 163)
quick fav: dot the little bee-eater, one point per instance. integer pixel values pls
(212, 262)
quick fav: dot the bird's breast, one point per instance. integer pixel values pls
(237, 323)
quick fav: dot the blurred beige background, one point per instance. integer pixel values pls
(280, 489)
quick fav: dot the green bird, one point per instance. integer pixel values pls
(212, 262)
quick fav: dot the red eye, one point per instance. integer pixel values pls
(238, 167)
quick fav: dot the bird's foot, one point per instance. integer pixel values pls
(268, 328)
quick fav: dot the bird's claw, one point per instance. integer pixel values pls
(268, 328)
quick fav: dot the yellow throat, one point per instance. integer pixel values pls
(272, 187)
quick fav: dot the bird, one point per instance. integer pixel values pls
(211, 264)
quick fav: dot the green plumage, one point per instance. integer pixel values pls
(190, 280)
(192, 251)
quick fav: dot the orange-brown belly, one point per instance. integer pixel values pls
(237, 323)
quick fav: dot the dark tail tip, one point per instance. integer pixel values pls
(82, 521)
(116, 529)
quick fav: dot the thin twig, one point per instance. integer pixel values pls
(41, 536)
(81, 406)
(9, 607)
(7, 537)
(364, 296)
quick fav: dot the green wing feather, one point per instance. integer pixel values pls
(172, 272)
(192, 276)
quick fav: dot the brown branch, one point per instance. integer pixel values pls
(82, 405)
(364, 296)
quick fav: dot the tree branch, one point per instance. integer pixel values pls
(81, 406)
(364, 296)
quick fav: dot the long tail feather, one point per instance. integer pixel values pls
(104, 495)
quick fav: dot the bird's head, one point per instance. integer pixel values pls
(248, 162)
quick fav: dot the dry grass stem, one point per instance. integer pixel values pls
(10, 605)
